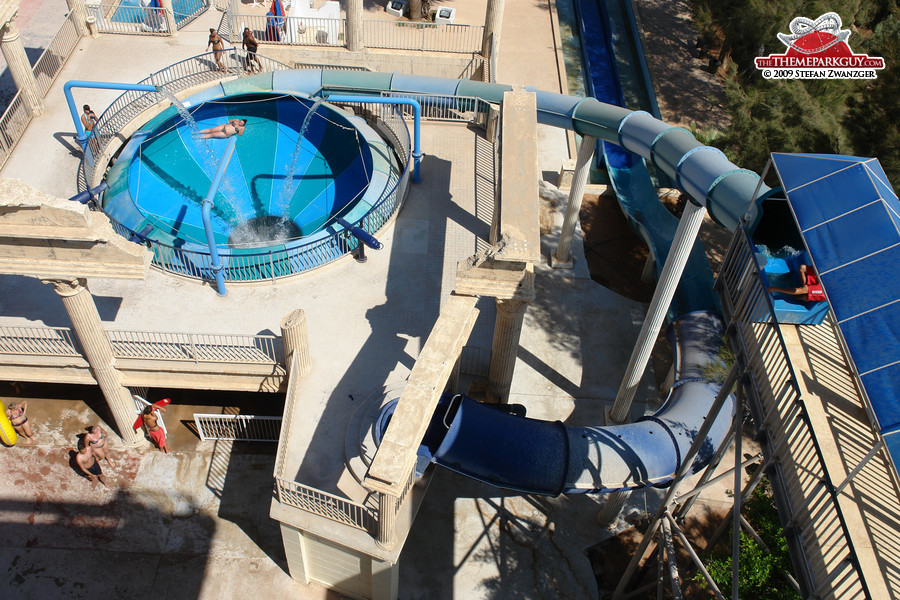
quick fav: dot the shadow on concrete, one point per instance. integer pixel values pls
(240, 475)
(44, 305)
(64, 549)
(73, 148)
(413, 293)
(8, 87)
(518, 539)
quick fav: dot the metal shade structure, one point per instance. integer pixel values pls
(849, 218)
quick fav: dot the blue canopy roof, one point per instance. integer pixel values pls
(849, 217)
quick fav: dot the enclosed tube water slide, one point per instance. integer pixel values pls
(544, 457)
(549, 458)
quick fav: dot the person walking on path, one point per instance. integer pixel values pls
(16, 414)
(96, 439)
(151, 422)
(88, 464)
(218, 47)
(250, 45)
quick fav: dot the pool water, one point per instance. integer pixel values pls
(272, 187)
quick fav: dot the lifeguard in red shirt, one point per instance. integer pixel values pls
(811, 287)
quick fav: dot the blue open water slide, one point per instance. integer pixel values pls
(628, 174)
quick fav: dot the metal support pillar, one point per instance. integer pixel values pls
(685, 235)
(680, 474)
(563, 256)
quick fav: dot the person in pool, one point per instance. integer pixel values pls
(232, 127)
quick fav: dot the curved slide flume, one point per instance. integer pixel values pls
(579, 459)
(628, 174)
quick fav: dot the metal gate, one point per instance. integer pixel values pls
(242, 428)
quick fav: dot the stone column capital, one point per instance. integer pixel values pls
(67, 287)
(9, 32)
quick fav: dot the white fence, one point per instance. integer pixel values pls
(393, 35)
(239, 428)
(55, 56)
(38, 341)
(16, 117)
(148, 345)
(154, 345)
(431, 37)
(134, 20)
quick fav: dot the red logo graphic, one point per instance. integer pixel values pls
(818, 50)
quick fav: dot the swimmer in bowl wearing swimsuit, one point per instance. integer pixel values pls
(232, 127)
(16, 414)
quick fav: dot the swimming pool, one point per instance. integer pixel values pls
(281, 189)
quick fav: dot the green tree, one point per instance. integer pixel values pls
(761, 569)
(821, 116)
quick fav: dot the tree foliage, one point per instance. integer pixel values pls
(787, 115)
(760, 571)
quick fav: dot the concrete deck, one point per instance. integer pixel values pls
(199, 528)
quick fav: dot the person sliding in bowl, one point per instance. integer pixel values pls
(232, 127)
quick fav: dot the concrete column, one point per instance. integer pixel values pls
(85, 319)
(355, 41)
(563, 256)
(234, 23)
(387, 520)
(685, 235)
(169, 13)
(385, 580)
(20, 68)
(493, 21)
(613, 506)
(507, 330)
(77, 8)
(294, 339)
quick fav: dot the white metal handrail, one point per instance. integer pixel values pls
(243, 428)
(324, 504)
(38, 341)
(389, 35)
(132, 20)
(157, 345)
(16, 117)
(429, 37)
(57, 53)
(306, 498)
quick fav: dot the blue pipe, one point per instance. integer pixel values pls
(361, 234)
(81, 135)
(417, 119)
(206, 211)
(89, 194)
